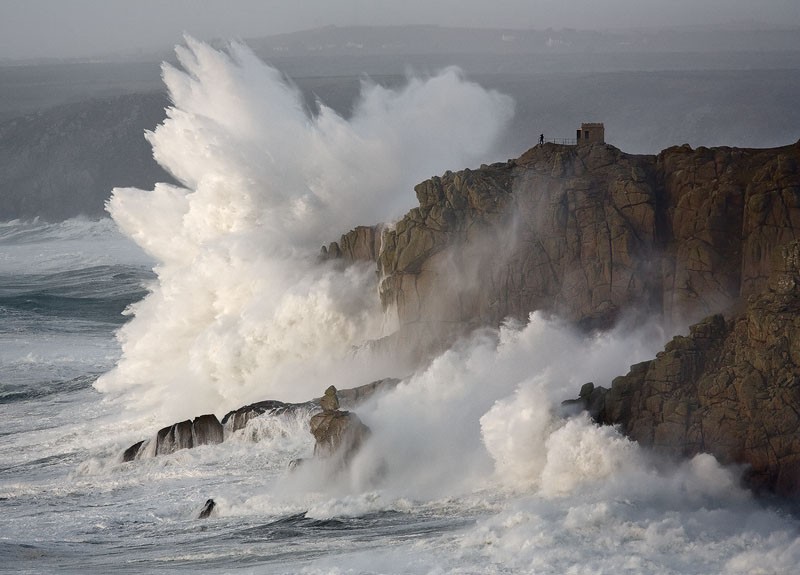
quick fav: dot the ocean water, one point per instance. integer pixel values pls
(206, 297)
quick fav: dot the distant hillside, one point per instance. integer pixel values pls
(65, 161)
(340, 40)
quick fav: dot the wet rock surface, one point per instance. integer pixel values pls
(203, 430)
(207, 429)
(338, 434)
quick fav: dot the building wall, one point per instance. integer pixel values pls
(591, 133)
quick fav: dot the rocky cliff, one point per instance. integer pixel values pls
(587, 233)
(591, 233)
(730, 388)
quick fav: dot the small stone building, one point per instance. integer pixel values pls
(591, 133)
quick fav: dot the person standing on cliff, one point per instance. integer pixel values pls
(541, 139)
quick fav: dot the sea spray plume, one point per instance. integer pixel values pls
(240, 310)
(487, 412)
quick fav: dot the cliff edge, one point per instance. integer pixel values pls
(587, 233)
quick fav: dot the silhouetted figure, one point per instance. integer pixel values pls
(209, 507)
(541, 139)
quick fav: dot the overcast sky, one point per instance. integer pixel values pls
(81, 28)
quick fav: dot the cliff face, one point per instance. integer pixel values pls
(591, 233)
(586, 233)
(730, 388)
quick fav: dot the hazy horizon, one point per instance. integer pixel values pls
(34, 29)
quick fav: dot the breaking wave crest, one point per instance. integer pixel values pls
(241, 310)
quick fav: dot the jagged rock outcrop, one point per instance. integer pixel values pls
(591, 399)
(338, 434)
(354, 396)
(730, 388)
(207, 429)
(362, 243)
(203, 430)
(587, 233)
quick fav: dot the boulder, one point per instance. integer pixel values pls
(338, 434)
(131, 453)
(329, 401)
(205, 429)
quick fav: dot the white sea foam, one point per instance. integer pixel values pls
(241, 311)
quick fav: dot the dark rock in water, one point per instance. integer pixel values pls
(131, 453)
(175, 437)
(207, 430)
(237, 419)
(207, 509)
(590, 399)
(338, 434)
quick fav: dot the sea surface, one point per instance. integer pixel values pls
(69, 505)
(206, 296)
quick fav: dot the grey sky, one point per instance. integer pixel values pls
(78, 28)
